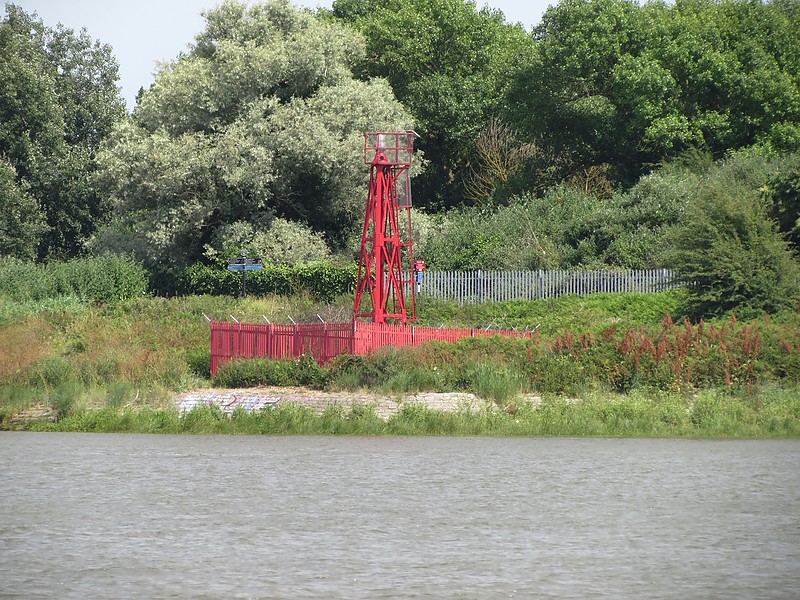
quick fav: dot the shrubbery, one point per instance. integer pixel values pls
(728, 251)
(720, 226)
(323, 280)
(284, 242)
(565, 229)
(103, 279)
(254, 372)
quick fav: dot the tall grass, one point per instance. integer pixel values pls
(14, 399)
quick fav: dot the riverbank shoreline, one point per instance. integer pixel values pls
(254, 399)
(713, 413)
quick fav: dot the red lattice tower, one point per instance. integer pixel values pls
(385, 245)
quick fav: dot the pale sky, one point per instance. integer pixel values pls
(146, 32)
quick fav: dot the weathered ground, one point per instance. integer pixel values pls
(385, 406)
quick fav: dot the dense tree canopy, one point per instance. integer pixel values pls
(261, 118)
(613, 82)
(58, 101)
(448, 62)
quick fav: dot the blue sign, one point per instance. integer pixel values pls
(244, 264)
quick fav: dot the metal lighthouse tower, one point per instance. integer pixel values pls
(386, 243)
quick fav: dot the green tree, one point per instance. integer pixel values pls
(261, 118)
(283, 243)
(58, 100)
(782, 193)
(613, 82)
(728, 251)
(21, 222)
(31, 120)
(448, 62)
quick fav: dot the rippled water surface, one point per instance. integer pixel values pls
(91, 515)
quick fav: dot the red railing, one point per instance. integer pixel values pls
(323, 341)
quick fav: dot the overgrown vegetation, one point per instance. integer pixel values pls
(622, 167)
(568, 228)
(136, 353)
(104, 279)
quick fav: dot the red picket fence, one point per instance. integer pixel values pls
(323, 341)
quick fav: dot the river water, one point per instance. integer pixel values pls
(150, 516)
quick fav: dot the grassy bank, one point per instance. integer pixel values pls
(117, 366)
(773, 413)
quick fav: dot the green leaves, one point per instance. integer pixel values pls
(261, 119)
(323, 280)
(782, 193)
(104, 279)
(448, 62)
(728, 251)
(244, 56)
(614, 82)
(58, 101)
(21, 222)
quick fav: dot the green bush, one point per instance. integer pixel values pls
(101, 280)
(284, 242)
(308, 372)
(729, 253)
(323, 280)
(371, 371)
(782, 194)
(62, 398)
(251, 372)
(565, 229)
(199, 360)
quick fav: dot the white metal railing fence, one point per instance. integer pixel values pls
(497, 286)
